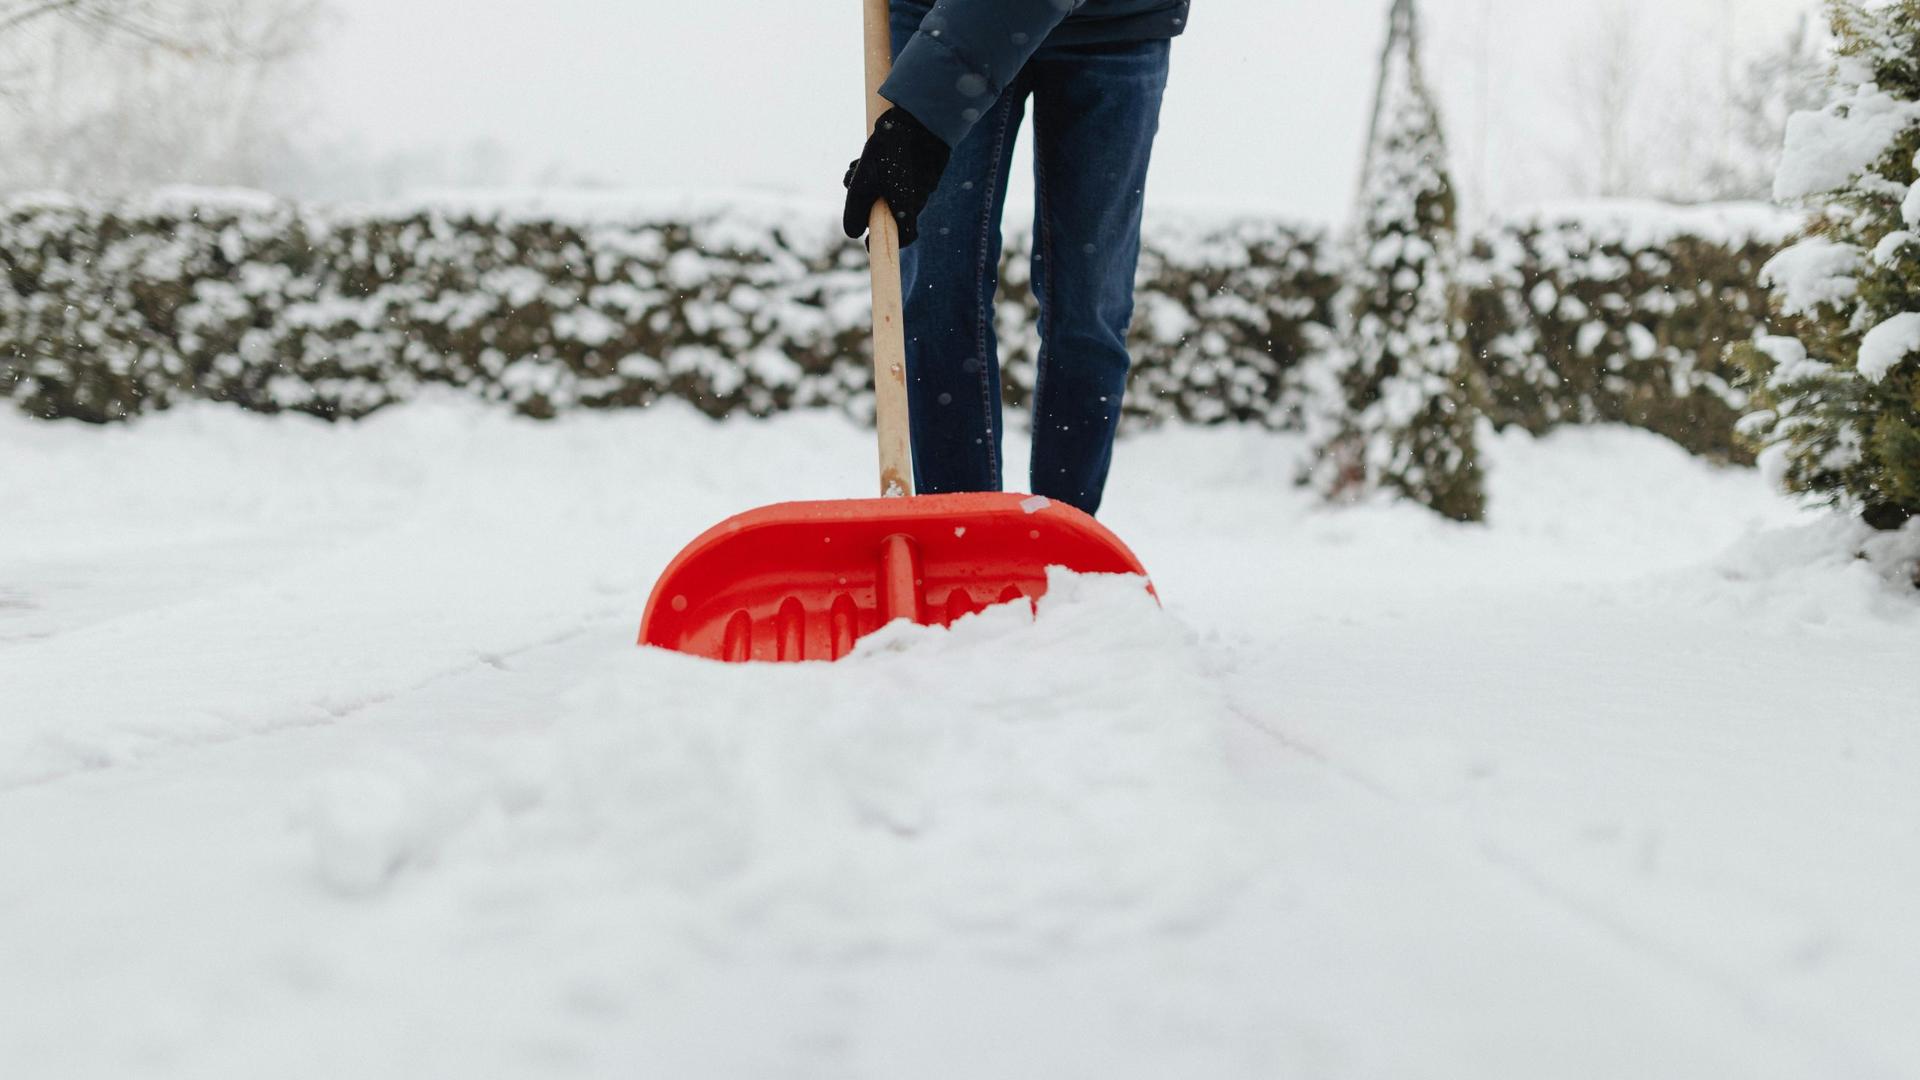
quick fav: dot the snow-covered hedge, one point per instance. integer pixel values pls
(115, 310)
(1227, 313)
(108, 311)
(1589, 313)
(1622, 312)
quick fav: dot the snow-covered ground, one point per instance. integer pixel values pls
(326, 752)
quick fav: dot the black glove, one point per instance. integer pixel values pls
(902, 164)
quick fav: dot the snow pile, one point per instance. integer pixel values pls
(1034, 784)
(1823, 572)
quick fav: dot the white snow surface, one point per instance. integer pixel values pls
(326, 751)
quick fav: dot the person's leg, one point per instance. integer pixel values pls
(949, 277)
(1096, 110)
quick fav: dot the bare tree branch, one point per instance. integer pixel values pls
(146, 23)
(104, 17)
(118, 95)
(23, 14)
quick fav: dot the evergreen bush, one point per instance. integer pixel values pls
(1408, 415)
(1837, 394)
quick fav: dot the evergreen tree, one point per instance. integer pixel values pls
(1409, 415)
(1839, 399)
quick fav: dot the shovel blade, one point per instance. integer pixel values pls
(804, 581)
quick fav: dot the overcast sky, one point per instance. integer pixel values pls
(1266, 109)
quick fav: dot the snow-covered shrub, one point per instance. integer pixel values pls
(1838, 394)
(1408, 415)
(1234, 315)
(114, 309)
(1621, 312)
(109, 310)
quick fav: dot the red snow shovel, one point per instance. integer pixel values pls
(804, 581)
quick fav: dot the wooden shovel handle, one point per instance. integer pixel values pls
(889, 321)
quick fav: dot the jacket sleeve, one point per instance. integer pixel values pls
(965, 52)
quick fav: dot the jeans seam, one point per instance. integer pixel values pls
(983, 302)
(1043, 229)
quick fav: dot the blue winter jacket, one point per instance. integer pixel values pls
(967, 51)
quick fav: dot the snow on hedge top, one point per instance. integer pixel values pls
(1645, 223)
(1630, 222)
(1827, 150)
(618, 207)
(170, 201)
(1188, 233)
(578, 208)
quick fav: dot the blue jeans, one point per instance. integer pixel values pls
(1096, 110)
